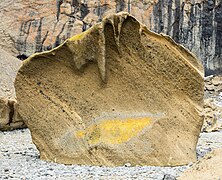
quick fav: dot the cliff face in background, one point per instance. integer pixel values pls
(29, 26)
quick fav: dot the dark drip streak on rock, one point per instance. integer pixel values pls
(191, 24)
(98, 11)
(120, 5)
(21, 43)
(169, 12)
(58, 40)
(182, 31)
(38, 41)
(11, 112)
(176, 24)
(218, 19)
(58, 4)
(84, 10)
(129, 6)
(158, 19)
(207, 23)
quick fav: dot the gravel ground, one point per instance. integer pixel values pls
(19, 159)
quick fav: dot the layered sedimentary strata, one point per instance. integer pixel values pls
(115, 94)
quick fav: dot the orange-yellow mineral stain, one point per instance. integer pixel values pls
(79, 36)
(114, 131)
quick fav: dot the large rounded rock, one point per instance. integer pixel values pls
(112, 95)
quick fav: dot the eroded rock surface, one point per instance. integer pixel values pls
(212, 104)
(9, 114)
(35, 26)
(206, 168)
(115, 94)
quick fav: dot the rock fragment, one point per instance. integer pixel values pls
(9, 114)
(209, 167)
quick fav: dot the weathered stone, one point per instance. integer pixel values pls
(115, 94)
(210, 87)
(212, 104)
(35, 26)
(217, 81)
(4, 112)
(208, 167)
(9, 66)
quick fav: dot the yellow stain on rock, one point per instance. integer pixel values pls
(79, 36)
(114, 131)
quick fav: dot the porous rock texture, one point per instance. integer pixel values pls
(9, 113)
(35, 26)
(115, 94)
(207, 168)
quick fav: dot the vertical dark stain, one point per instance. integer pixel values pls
(207, 22)
(11, 111)
(218, 19)
(169, 13)
(58, 4)
(191, 24)
(21, 43)
(218, 44)
(158, 16)
(120, 5)
(44, 38)
(182, 31)
(38, 38)
(84, 10)
(129, 6)
(176, 24)
(58, 39)
(84, 27)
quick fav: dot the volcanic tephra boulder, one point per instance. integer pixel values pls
(115, 94)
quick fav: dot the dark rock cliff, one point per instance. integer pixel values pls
(35, 26)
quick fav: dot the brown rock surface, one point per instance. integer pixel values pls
(212, 104)
(4, 112)
(9, 115)
(112, 95)
(8, 70)
(207, 168)
(34, 26)
(212, 115)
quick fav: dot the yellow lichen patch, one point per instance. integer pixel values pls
(79, 36)
(114, 131)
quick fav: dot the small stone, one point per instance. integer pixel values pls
(127, 165)
(168, 177)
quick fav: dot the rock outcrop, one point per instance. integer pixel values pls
(212, 104)
(9, 114)
(36, 26)
(112, 95)
(10, 118)
(207, 168)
